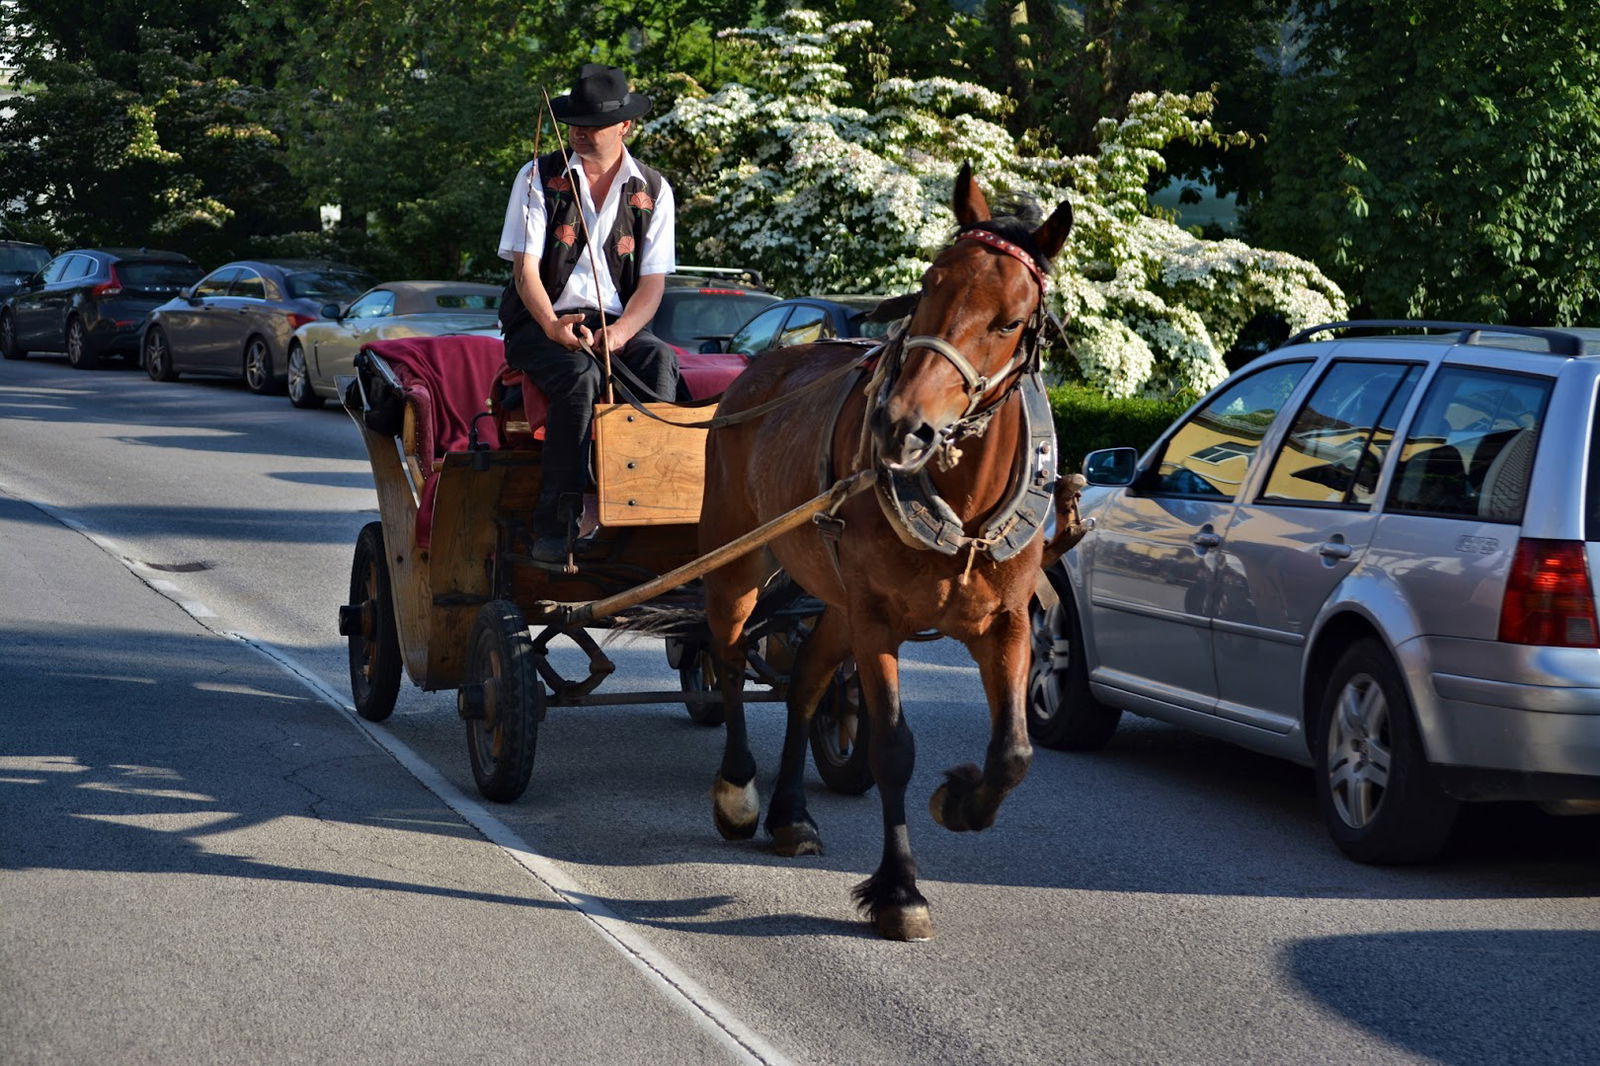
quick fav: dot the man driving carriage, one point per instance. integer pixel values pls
(569, 293)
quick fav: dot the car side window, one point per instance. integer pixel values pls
(216, 283)
(372, 305)
(805, 326)
(1212, 451)
(1469, 451)
(55, 268)
(1335, 449)
(757, 334)
(249, 285)
(81, 267)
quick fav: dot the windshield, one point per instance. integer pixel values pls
(24, 260)
(329, 285)
(157, 277)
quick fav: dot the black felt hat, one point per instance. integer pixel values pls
(599, 97)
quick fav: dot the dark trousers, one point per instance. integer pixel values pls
(572, 382)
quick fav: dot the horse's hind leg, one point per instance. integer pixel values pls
(890, 896)
(970, 798)
(793, 831)
(731, 594)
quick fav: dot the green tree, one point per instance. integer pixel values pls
(1447, 162)
(784, 175)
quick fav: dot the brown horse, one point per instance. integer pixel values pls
(971, 340)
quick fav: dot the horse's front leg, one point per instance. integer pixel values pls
(793, 831)
(890, 896)
(970, 798)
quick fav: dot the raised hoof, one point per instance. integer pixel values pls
(911, 923)
(736, 808)
(948, 800)
(798, 839)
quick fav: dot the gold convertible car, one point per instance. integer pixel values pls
(327, 347)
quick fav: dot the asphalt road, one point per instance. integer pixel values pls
(206, 857)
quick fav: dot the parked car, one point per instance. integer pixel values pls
(1371, 555)
(705, 305)
(804, 320)
(237, 320)
(91, 303)
(320, 350)
(19, 261)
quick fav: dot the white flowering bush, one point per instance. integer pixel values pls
(823, 197)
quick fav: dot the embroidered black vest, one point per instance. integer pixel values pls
(563, 236)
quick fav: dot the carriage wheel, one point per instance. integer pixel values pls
(839, 734)
(503, 701)
(368, 622)
(699, 674)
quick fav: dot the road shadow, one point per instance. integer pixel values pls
(1492, 996)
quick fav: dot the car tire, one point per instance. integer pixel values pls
(1062, 712)
(258, 367)
(1376, 790)
(301, 394)
(10, 346)
(155, 352)
(79, 357)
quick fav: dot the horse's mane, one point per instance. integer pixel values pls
(1015, 220)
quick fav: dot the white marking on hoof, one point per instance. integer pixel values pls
(735, 808)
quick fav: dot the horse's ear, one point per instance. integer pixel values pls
(968, 201)
(1051, 236)
(895, 307)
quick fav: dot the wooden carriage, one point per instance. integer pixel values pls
(440, 588)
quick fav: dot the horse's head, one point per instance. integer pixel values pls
(981, 298)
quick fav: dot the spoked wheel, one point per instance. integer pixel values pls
(301, 394)
(158, 356)
(368, 623)
(839, 734)
(258, 367)
(1374, 785)
(10, 346)
(699, 674)
(502, 700)
(1062, 712)
(79, 357)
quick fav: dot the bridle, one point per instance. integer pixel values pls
(979, 387)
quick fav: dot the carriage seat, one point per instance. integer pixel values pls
(449, 383)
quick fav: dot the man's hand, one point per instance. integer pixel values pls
(569, 332)
(615, 336)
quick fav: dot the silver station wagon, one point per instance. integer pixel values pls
(1371, 554)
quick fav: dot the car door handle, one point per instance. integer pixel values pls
(1206, 540)
(1334, 549)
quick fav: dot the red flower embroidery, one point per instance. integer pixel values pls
(566, 235)
(642, 201)
(559, 183)
(625, 245)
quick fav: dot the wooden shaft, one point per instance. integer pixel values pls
(584, 613)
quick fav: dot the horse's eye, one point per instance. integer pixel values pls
(1011, 327)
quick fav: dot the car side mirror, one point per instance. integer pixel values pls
(186, 294)
(1111, 466)
(711, 345)
(333, 311)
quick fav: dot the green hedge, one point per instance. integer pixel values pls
(1086, 420)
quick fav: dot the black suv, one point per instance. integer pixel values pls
(91, 302)
(19, 261)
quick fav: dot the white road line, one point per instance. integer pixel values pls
(679, 988)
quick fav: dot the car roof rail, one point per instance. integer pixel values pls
(754, 276)
(1560, 342)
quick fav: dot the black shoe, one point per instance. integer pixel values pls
(548, 548)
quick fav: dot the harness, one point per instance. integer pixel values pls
(911, 502)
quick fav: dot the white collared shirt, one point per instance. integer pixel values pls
(525, 227)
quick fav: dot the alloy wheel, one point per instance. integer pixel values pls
(1359, 751)
(257, 369)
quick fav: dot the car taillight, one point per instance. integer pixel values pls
(1549, 599)
(296, 319)
(724, 292)
(108, 288)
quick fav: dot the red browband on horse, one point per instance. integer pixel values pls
(999, 243)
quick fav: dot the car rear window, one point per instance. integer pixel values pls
(1469, 451)
(689, 316)
(15, 260)
(468, 301)
(157, 277)
(328, 285)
